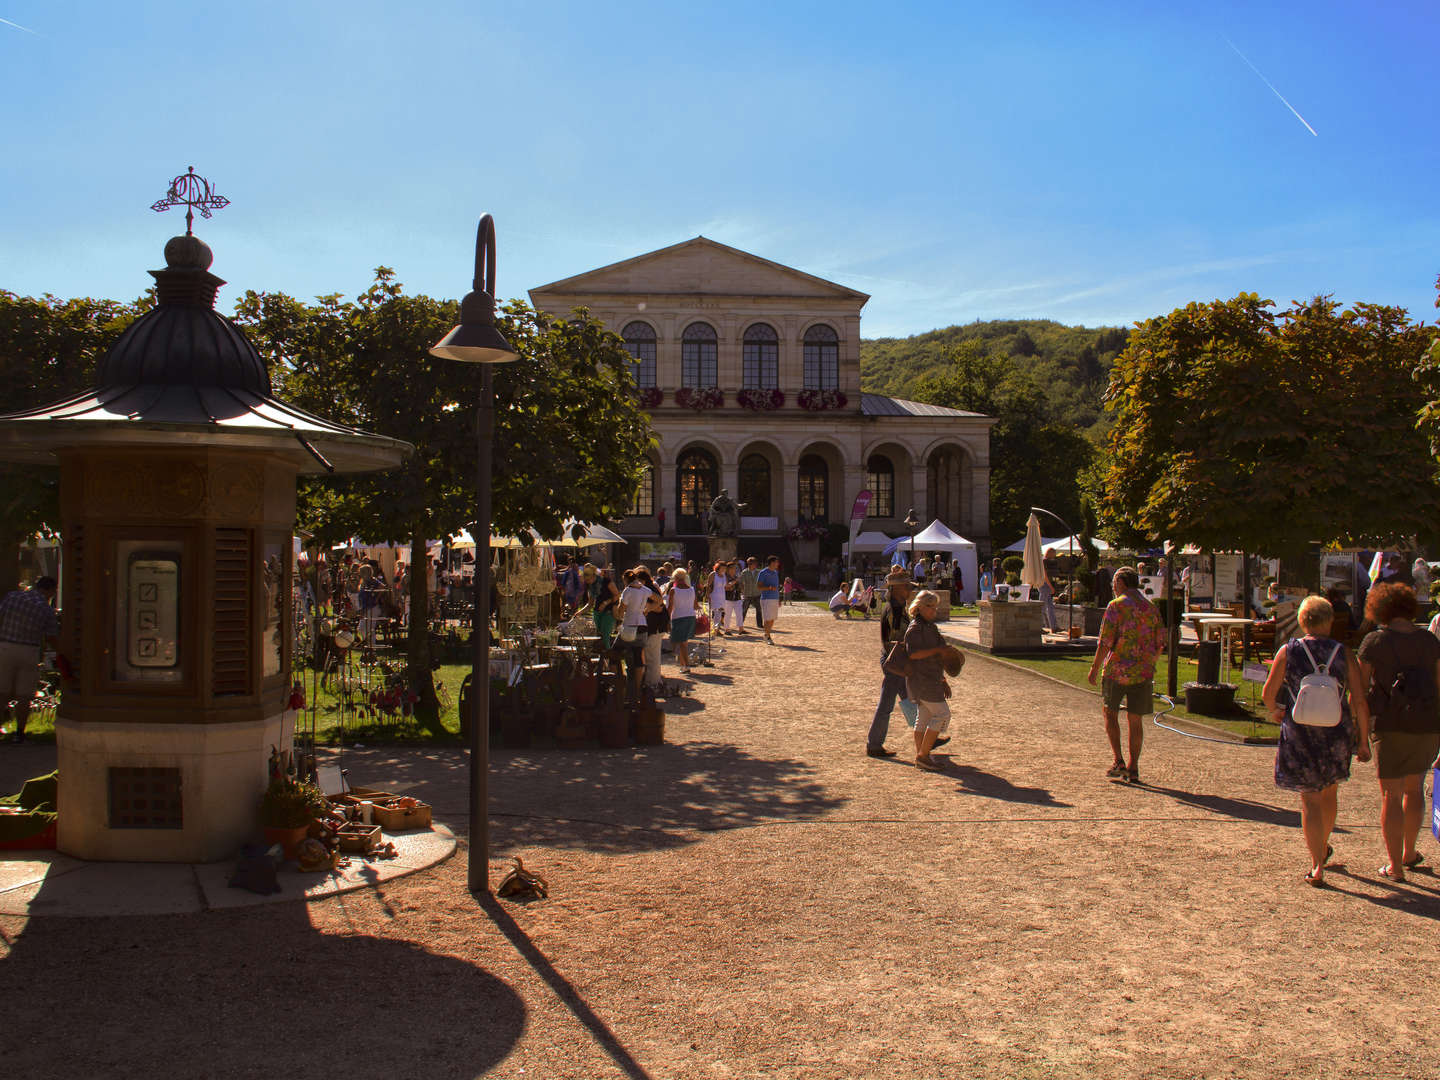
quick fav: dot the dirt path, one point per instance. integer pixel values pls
(759, 899)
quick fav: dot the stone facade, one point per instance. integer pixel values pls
(751, 373)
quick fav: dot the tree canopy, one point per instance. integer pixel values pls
(1236, 427)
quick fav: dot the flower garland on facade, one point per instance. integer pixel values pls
(700, 398)
(809, 530)
(651, 396)
(757, 400)
(821, 400)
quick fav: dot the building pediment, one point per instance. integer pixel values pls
(697, 267)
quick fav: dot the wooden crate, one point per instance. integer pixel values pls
(358, 837)
(398, 819)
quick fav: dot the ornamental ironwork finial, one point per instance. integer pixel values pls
(192, 192)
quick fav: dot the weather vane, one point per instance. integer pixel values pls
(193, 192)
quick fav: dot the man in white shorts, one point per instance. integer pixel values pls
(769, 582)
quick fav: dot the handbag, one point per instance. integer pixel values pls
(897, 661)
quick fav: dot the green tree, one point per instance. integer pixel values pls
(1033, 462)
(569, 437)
(1237, 428)
(49, 350)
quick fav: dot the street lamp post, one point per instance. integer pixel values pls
(478, 341)
(913, 524)
(1070, 592)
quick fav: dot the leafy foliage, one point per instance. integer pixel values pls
(49, 350)
(1239, 428)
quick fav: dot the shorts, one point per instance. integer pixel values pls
(1138, 697)
(19, 671)
(933, 716)
(1404, 753)
(769, 608)
(682, 629)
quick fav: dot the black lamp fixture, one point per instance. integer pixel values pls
(912, 522)
(477, 340)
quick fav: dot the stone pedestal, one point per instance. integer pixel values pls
(1013, 625)
(943, 612)
(722, 549)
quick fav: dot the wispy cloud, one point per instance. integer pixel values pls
(1268, 83)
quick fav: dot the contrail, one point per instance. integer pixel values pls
(17, 26)
(1268, 83)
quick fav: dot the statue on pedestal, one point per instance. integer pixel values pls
(725, 514)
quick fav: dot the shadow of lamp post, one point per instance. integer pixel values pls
(478, 341)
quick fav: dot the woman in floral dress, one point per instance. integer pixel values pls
(1313, 760)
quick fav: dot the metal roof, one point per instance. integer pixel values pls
(879, 405)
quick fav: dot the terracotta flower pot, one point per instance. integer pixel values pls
(288, 839)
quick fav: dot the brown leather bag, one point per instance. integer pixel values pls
(897, 661)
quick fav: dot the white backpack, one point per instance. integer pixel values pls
(1318, 702)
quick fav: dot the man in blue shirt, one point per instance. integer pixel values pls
(769, 580)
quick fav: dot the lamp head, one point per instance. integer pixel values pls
(477, 340)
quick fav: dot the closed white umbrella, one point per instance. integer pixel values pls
(1033, 573)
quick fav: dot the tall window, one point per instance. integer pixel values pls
(640, 343)
(698, 356)
(697, 482)
(880, 479)
(761, 358)
(644, 505)
(755, 485)
(814, 478)
(822, 358)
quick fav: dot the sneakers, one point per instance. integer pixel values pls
(878, 751)
(1117, 771)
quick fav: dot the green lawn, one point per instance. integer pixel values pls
(1074, 669)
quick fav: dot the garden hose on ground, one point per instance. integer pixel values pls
(1170, 704)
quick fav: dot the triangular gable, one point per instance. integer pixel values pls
(700, 265)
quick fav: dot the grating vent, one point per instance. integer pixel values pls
(145, 798)
(232, 612)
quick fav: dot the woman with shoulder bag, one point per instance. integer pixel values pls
(657, 624)
(1400, 667)
(1310, 760)
(680, 603)
(926, 683)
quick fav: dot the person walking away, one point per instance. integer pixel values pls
(660, 520)
(657, 625)
(636, 601)
(732, 597)
(1047, 601)
(893, 624)
(717, 583)
(1130, 638)
(926, 683)
(680, 601)
(1312, 760)
(957, 580)
(1400, 670)
(750, 592)
(27, 624)
(769, 581)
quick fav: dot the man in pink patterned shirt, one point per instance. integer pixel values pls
(1131, 636)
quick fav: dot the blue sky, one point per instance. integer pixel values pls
(1096, 163)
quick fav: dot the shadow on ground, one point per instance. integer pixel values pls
(975, 781)
(269, 996)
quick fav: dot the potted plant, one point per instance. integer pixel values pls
(286, 811)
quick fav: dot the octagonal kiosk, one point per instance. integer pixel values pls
(177, 492)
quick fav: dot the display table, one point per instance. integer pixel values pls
(1012, 625)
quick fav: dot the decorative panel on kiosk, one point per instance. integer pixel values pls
(147, 611)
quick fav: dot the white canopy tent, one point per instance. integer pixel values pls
(938, 537)
(869, 543)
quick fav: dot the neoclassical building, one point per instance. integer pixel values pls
(751, 373)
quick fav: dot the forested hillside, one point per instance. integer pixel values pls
(1042, 381)
(1069, 364)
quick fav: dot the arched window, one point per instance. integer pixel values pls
(822, 358)
(697, 482)
(640, 343)
(755, 485)
(698, 356)
(880, 479)
(644, 505)
(761, 358)
(814, 479)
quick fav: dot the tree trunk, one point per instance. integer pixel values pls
(417, 650)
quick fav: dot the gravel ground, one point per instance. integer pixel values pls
(757, 898)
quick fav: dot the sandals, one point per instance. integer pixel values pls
(1116, 771)
(927, 765)
(1314, 880)
(1388, 873)
(1414, 861)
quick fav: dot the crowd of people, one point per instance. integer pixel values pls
(634, 615)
